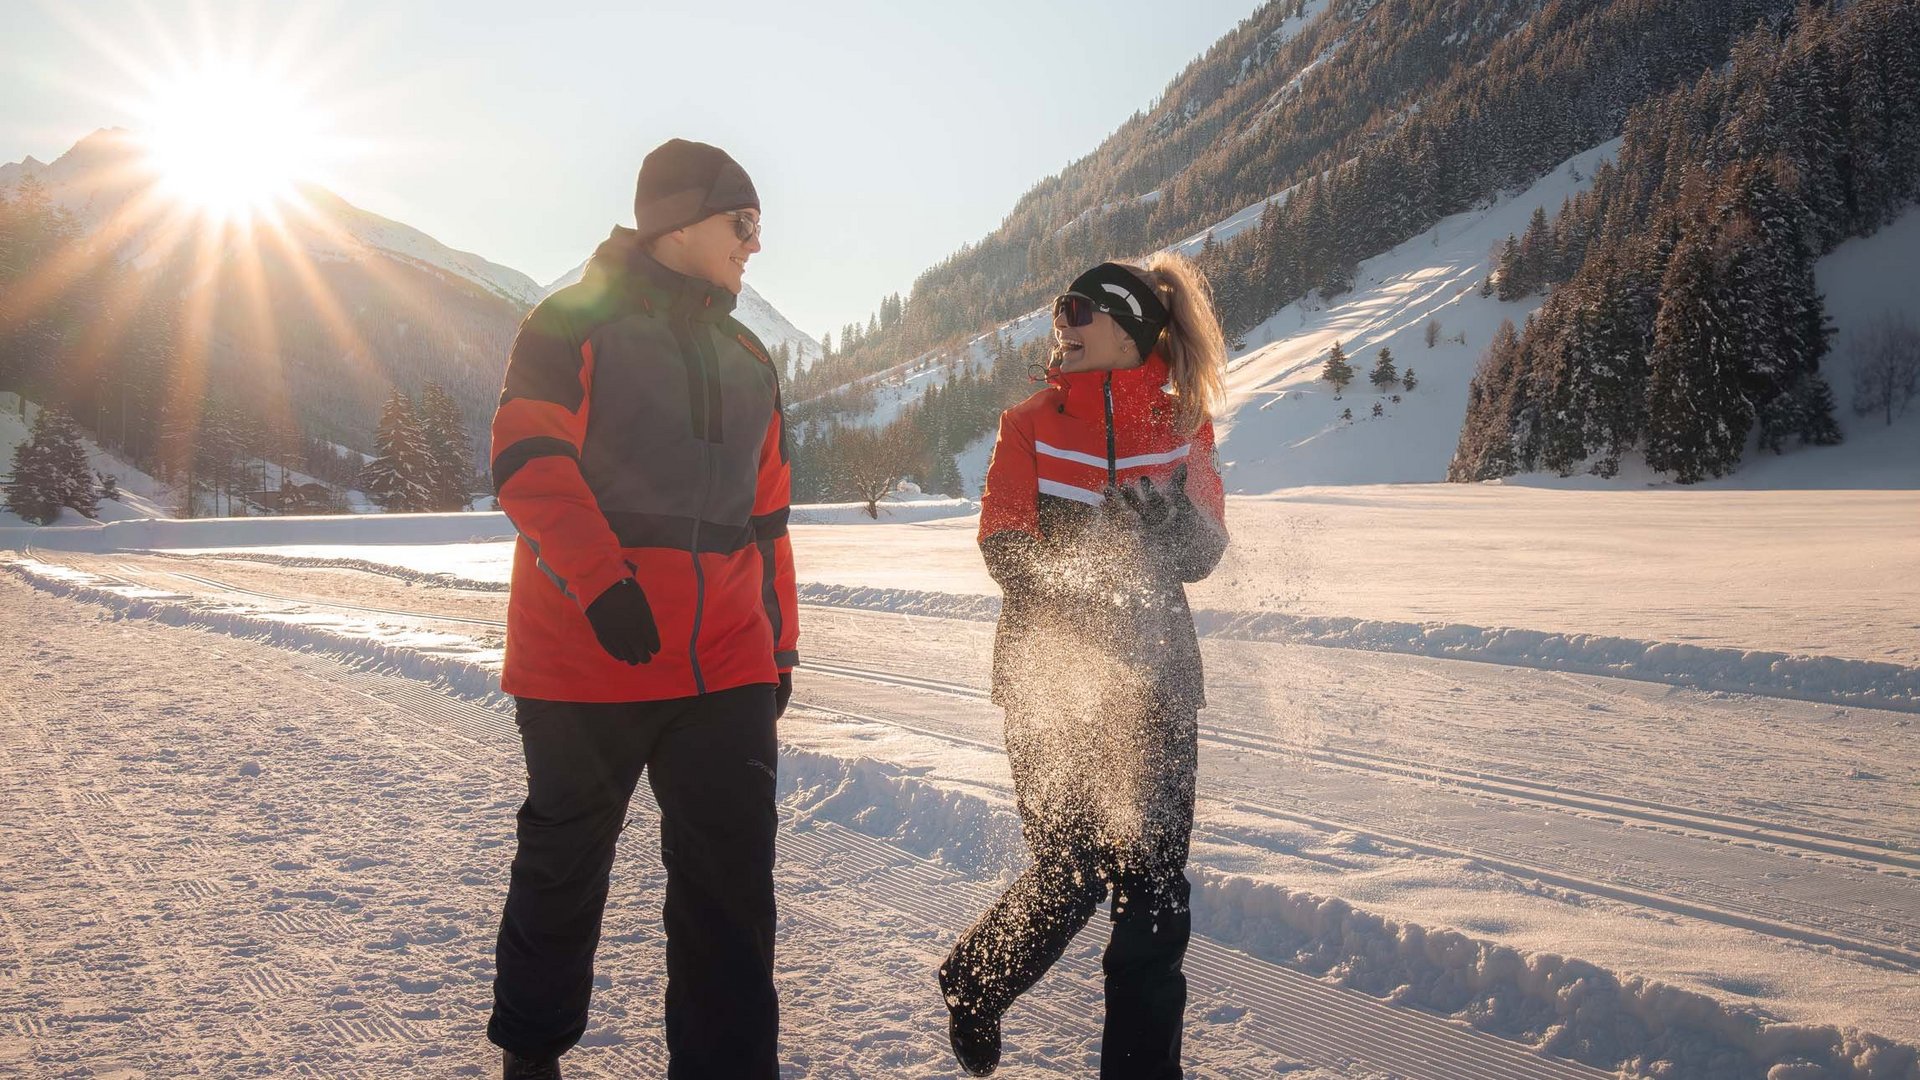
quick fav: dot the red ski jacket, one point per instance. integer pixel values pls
(640, 435)
(1079, 573)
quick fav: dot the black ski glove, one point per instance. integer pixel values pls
(623, 621)
(782, 694)
(1155, 506)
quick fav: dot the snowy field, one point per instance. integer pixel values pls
(1441, 850)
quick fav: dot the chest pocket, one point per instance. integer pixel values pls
(677, 420)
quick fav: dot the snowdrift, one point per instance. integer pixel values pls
(1839, 680)
(1564, 1006)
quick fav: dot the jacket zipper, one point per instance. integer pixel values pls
(706, 491)
(1113, 473)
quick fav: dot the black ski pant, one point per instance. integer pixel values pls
(1107, 815)
(710, 760)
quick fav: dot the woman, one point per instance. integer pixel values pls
(1103, 497)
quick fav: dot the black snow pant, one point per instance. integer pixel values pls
(710, 760)
(1110, 815)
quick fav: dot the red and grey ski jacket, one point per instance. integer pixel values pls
(640, 435)
(1085, 586)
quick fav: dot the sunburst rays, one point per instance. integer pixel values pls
(232, 122)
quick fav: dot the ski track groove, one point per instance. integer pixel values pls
(479, 729)
(1898, 944)
(1890, 942)
(1778, 833)
(1406, 1042)
(1871, 849)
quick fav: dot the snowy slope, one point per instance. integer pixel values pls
(762, 318)
(1283, 427)
(141, 496)
(1862, 280)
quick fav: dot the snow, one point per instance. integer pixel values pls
(348, 229)
(1393, 831)
(1283, 427)
(1493, 776)
(141, 496)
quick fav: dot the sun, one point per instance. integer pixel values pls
(230, 141)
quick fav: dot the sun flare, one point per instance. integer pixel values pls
(231, 142)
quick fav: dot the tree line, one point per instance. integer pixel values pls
(1683, 321)
(1412, 110)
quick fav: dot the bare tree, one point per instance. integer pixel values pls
(1433, 333)
(1886, 367)
(871, 465)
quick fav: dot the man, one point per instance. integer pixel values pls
(640, 451)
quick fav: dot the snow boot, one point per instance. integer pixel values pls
(976, 1042)
(515, 1067)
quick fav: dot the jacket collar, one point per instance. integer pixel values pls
(624, 257)
(1137, 392)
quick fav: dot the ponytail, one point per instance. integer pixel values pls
(1192, 345)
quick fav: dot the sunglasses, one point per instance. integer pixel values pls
(745, 227)
(1078, 310)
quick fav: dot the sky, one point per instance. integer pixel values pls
(881, 136)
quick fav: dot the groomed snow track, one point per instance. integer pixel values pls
(1298, 1018)
(1860, 895)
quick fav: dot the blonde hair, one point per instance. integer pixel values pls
(1192, 345)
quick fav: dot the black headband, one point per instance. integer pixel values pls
(1119, 291)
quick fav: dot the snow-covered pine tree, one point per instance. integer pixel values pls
(443, 431)
(68, 469)
(1486, 448)
(1512, 285)
(1384, 373)
(1697, 417)
(29, 491)
(1336, 370)
(1407, 380)
(397, 478)
(51, 471)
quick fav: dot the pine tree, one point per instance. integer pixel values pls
(1384, 373)
(30, 491)
(1336, 370)
(1377, 409)
(449, 467)
(398, 477)
(945, 478)
(72, 473)
(1512, 287)
(1407, 380)
(51, 471)
(1697, 417)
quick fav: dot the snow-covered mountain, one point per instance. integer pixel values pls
(754, 311)
(106, 182)
(318, 310)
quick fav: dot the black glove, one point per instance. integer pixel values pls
(1155, 506)
(782, 694)
(623, 622)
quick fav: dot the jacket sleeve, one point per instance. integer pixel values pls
(537, 434)
(773, 495)
(1009, 508)
(1202, 516)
